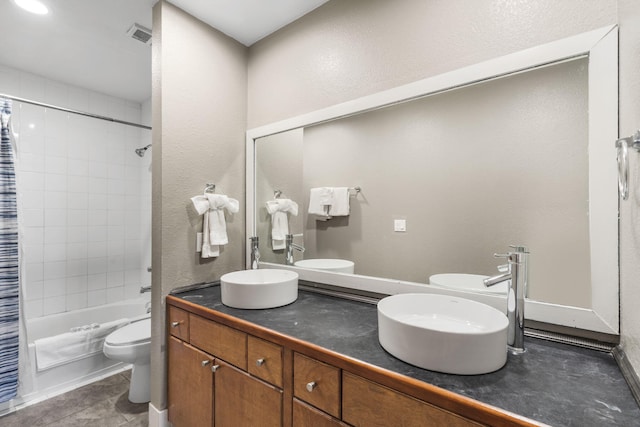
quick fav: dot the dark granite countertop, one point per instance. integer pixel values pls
(557, 384)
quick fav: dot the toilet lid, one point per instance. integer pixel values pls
(131, 334)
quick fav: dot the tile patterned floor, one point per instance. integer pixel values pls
(100, 404)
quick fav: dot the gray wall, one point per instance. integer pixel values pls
(629, 16)
(199, 120)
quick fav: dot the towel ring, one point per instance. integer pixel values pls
(210, 188)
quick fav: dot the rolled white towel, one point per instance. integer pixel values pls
(278, 209)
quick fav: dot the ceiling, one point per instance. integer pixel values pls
(85, 42)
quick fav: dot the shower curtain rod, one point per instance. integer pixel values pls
(68, 110)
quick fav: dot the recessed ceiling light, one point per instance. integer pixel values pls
(33, 6)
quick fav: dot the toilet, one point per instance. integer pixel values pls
(132, 344)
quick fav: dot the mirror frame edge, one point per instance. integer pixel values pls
(601, 47)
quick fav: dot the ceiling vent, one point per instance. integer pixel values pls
(140, 33)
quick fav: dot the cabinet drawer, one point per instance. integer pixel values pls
(221, 341)
(369, 404)
(178, 321)
(317, 384)
(264, 360)
(307, 416)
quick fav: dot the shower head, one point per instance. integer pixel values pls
(140, 151)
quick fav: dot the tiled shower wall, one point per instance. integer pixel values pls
(85, 196)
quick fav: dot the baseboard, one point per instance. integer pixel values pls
(629, 374)
(157, 418)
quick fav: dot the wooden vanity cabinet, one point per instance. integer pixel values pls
(263, 378)
(190, 385)
(206, 386)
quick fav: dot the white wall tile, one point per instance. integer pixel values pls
(76, 301)
(33, 217)
(97, 297)
(82, 190)
(33, 309)
(55, 182)
(54, 305)
(55, 287)
(55, 252)
(34, 290)
(97, 265)
(55, 217)
(76, 284)
(55, 200)
(55, 270)
(97, 281)
(115, 294)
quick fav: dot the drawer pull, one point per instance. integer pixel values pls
(205, 362)
(310, 386)
(214, 368)
(175, 324)
(260, 362)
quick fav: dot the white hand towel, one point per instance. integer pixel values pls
(320, 200)
(340, 202)
(217, 222)
(278, 209)
(208, 250)
(200, 203)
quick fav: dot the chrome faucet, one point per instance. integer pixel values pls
(516, 271)
(255, 253)
(290, 246)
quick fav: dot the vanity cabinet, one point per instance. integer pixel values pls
(266, 378)
(208, 382)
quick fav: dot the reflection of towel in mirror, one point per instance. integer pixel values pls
(278, 210)
(340, 202)
(320, 200)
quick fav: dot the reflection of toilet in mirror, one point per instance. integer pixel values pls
(467, 283)
(327, 264)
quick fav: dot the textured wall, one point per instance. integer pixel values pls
(629, 13)
(347, 49)
(199, 120)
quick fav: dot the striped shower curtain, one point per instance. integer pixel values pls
(9, 267)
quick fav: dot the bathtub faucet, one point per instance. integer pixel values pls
(290, 246)
(144, 289)
(517, 273)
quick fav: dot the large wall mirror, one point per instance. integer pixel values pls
(516, 150)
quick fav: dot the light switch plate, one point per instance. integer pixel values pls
(400, 225)
(199, 242)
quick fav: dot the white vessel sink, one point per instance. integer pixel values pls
(335, 265)
(255, 289)
(468, 283)
(443, 333)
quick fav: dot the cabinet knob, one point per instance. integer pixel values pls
(175, 324)
(310, 386)
(260, 362)
(214, 368)
(205, 362)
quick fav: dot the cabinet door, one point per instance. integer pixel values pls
(307, 416)
(242, 400)
(368, 404)
(190, 386)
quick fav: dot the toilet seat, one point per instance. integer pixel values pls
(133, 333)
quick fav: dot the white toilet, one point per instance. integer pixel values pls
(132, 344)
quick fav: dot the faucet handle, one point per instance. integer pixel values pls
(506, 256)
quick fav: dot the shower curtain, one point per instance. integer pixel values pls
(9, 262)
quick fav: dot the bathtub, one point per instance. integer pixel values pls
(66, 377)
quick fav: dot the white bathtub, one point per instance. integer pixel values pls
(80, 372)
